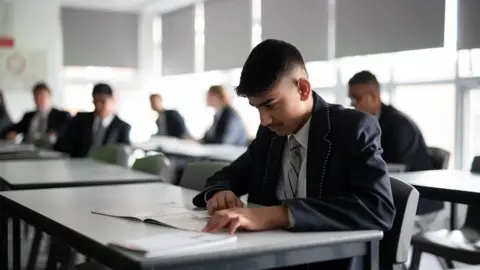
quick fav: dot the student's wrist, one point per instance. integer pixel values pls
(279, 217)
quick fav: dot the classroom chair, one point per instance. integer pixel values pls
(195, 174)
(395, 244)
(114, 154)
(440, 158)
(157, 164)
(460, 245)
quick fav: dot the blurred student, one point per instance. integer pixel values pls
(169, 122)
(5, 120)
(98, 128)
(44, 125)
(402, 140)
(227, 127)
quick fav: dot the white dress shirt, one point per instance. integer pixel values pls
(302, 138)
(34, 132)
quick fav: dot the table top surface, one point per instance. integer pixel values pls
(451, 181)
(71, 208)
(67, 172)
(174, 146)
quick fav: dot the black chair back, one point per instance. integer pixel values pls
(440, 158)
(473, 212)
(395, 244)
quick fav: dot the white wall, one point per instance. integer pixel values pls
(36, 28)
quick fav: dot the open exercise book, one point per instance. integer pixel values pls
(169, 214)
(174, 243)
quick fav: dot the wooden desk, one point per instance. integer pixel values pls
(453, 186)
(66, 213)
(36, 174)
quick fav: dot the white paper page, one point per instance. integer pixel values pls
(193, 221)
(173, 243)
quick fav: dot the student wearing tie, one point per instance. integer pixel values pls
(44, 125)
(227, 127)
(402, 140)
(313, 166)
(169, 122)
(99, 128)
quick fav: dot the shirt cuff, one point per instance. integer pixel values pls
(291, 219)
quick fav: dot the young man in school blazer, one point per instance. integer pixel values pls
(314, 166)
(99, 128)
(44, 125)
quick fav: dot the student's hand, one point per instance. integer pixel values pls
(251, 219)
(11, 135)
(223, 200)
(52, 137)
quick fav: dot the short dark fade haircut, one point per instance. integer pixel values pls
(363, 77)
(39, 87)
(267, 63)
(102, 89)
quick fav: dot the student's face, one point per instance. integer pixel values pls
(156, 103)
(282, 108)
(42, 99)
(363, 97)
(212, 100)
(103, 104)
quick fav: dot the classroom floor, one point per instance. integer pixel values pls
(428, 262)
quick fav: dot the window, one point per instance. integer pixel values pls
(435, 118)
(327, 95)
(378, 64)
(99, 73)
(78, 97)
(322, 74)
(424, 65)
(473, 139)
(469, 63)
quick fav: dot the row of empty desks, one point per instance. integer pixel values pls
(66, 213)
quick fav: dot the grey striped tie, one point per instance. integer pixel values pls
(295, 163)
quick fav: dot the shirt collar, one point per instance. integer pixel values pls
(44, 112)
(302, 135)
(105, 121)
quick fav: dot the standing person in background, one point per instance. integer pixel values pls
(169, 122)
(44, 125)
(5, 120)
(402, 140)
(98, 128)
(227, 127)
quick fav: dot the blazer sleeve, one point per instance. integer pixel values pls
(367, 202)
(64, 121)
(233, 177)
(124, 136)
(66, 139)
(20, 127)
(406, 140)
(183, 131)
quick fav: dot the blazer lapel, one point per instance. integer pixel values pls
(274, 167)
(109, 131)
(319, 147)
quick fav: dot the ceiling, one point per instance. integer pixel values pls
(157, 6)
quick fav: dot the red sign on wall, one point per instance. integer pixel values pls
(6, 42)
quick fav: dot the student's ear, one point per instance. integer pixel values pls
(304, 88)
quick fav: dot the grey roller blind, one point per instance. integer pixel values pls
(304, 23)
(228, 33)
(381, 26)
(178, 41)
(99, 38)
(468, 24)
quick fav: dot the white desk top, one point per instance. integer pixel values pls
(174, 146)
(67, 172)
(449, 185)
(71, 208)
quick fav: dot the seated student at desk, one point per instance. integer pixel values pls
(402, 140)
(227, 127)
(45, 124)
(314, 166)
(169, 122)
(99, 128)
